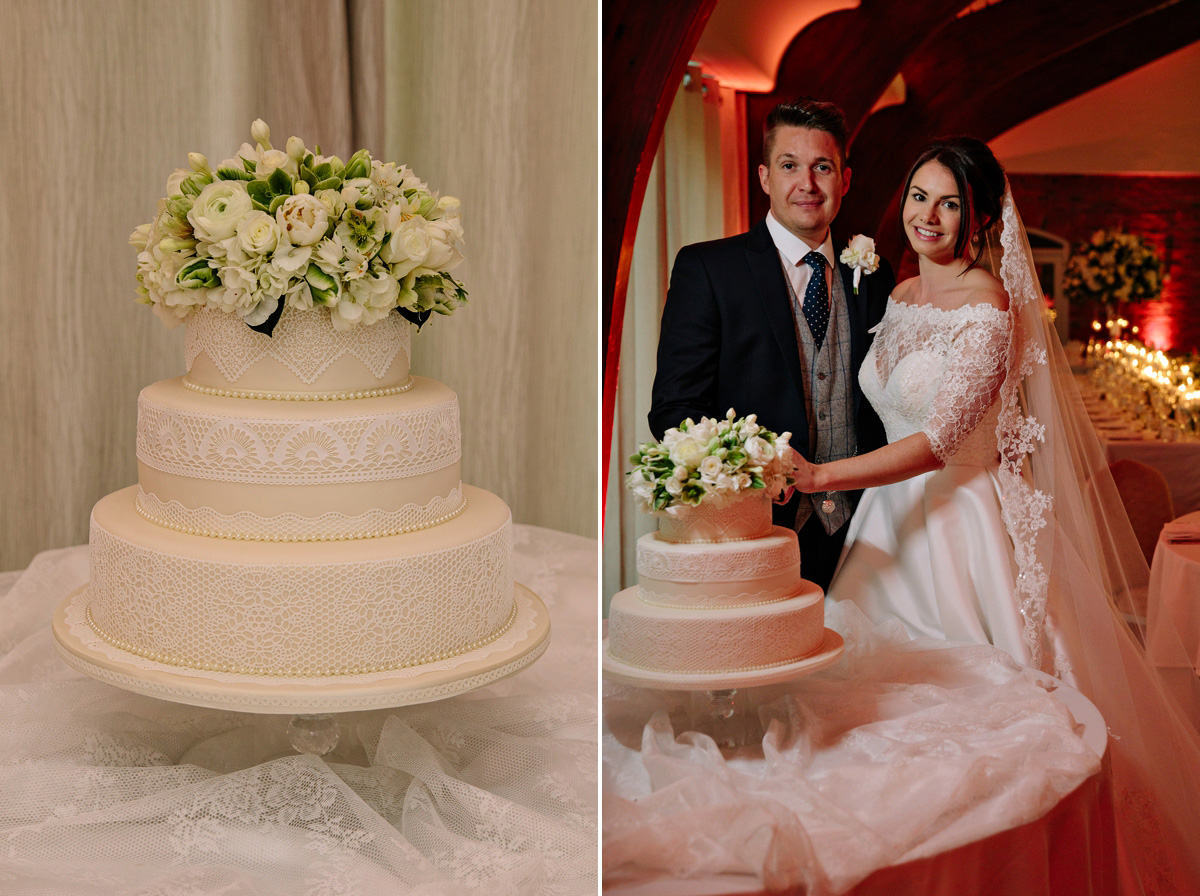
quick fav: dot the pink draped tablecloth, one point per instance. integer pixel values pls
(911, 767)
(1175, 593)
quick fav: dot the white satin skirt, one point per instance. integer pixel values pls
(933, 553)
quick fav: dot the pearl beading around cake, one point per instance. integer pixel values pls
(667, 600)
(168, 659)
(299, 396)
(711, 671)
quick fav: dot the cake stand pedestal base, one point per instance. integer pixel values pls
(724, 714)
(316, 734)
(311, 700)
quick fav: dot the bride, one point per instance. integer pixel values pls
(990, 515)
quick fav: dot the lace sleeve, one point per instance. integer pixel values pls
(976, 360)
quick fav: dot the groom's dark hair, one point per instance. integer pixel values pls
(805, 112)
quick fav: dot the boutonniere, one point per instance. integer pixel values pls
(860, 255)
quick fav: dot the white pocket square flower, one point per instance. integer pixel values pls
(860, 255)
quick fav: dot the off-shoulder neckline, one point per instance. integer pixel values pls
(933, 307)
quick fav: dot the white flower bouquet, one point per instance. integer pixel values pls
(1113, 267)
(712, 460)
(270, 229)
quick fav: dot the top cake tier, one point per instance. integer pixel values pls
(747, 515)
(304, 358)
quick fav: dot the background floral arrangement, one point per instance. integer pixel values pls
(270, 229)
(710, 460)
(1113, 267)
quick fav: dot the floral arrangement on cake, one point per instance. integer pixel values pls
(271, 228)
(1113, 267)
(712, 460)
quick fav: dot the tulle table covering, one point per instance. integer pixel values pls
(1175, 591)
(905, 752)
(108, 791)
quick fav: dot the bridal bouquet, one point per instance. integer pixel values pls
(1113, 267)
(710, 460)
(271, 228)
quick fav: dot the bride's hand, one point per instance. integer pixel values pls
(805, 474)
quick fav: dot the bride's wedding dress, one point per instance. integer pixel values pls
(933, 551)
(1021, 541)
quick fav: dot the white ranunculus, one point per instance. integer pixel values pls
(258, 233)
(710, 468)
(218, 209)
(760, 450)
(304, 218)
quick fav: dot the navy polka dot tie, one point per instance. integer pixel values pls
(816, 298)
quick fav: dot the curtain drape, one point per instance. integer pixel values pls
(491, 102)
(684, 204)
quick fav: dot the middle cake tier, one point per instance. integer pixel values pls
(270, 470)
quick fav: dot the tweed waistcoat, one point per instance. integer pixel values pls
(829, 395)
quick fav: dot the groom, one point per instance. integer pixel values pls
(768, 323)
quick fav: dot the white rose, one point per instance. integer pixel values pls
(258, 234)
(409, 246)
(333, 202)
(760, 450)
(862, 244)
(710, 468)
(217, 210)
(445, 248)
(376, 293)
(680, 473)
(688, 451)
(673, 486)
(304, 219)
(743, 480)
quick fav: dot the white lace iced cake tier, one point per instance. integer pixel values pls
(747, 515)
(301, 609)
(732, 573)
(286, 471)
(304, 354)
(709, 641)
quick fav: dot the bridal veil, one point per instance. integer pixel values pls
(1080, 571)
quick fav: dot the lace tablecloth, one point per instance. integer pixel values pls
(109, 792)
(903, 751)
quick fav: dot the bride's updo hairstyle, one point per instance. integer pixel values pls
(979, 178)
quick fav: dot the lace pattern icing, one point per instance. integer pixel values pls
(712, 602)
(350, 448)
(304, 342)
(301, 619)
(332, 526)
(751, 560)
(702, 641)
(734, 519)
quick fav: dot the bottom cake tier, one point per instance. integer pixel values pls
(301, 609)
(707, 640)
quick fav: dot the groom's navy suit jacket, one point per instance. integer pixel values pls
(728, 340)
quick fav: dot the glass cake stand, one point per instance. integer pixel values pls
(312, 702)
(719, 706)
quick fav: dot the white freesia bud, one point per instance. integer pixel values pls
(295, 148)
(261, 133)
(199, 163)
(300, 188)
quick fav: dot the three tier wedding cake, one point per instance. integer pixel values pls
(299, 536)
(719, 600)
